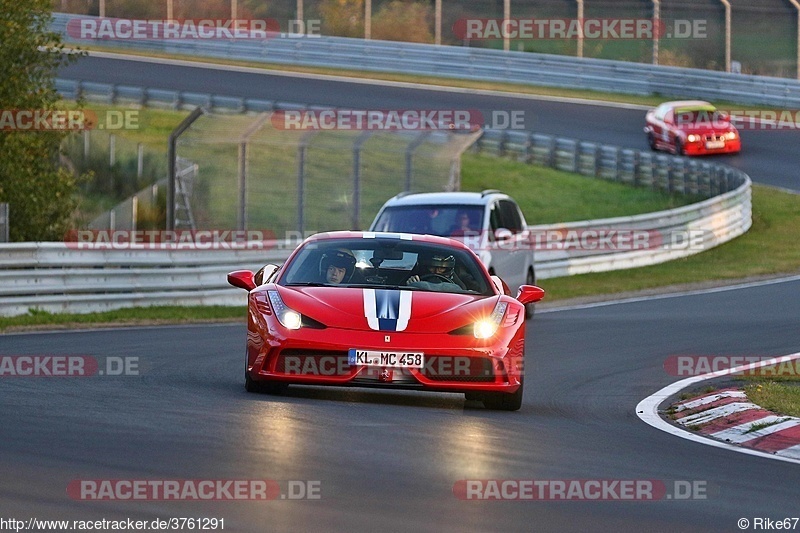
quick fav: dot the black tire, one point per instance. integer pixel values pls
(651, 140)
(501, 401)
(252, 386)
(530, 309)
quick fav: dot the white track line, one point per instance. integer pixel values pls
(647, 410)
(635, 299)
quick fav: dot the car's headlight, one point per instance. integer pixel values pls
(693, 138)
(288, 317)
(485, 328)
(731, 135)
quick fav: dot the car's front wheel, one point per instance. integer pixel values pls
(501, 401)
(651, 140)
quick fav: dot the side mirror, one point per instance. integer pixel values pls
(264, 274)
(529, 294)
(503, 234)
(242, 279)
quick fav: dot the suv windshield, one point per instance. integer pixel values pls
(386, 263)
(442, 220)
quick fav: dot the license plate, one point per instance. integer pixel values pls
(711, 145)
(358, 357)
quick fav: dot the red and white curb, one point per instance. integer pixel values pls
(726, 419)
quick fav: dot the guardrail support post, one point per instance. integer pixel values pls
(368, 20)
(437, 22)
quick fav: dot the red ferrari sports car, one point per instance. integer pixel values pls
(691, 127)
(386, 310)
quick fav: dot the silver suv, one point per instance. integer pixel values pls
(489, 222)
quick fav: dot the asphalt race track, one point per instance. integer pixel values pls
(390, 461)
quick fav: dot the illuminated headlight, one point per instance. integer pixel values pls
(288, 317)
(487, 327)
(730, 136)
(693, 138)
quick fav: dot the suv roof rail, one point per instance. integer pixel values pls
(487, 192)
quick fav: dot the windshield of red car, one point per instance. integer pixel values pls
(387, 263)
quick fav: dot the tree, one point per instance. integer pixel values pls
(41, 195)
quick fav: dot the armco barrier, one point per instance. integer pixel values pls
(475, 64)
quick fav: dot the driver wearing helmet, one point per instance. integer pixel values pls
(337, 266)
(437, 268)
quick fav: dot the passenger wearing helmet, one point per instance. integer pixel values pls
(435, 268)
(337, 266)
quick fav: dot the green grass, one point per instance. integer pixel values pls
(548, 196)
(138, 315)
(781, 398)
(766, 249)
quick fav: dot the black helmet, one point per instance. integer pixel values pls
(341, 258)
(439, 260)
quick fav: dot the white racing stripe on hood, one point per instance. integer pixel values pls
(387, 310)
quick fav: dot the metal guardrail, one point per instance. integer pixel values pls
(476, 64)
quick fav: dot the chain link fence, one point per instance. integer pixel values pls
(241, 172)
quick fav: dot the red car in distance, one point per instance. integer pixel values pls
(691, 127)
(386, 310)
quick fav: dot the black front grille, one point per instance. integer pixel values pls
(313, 363)
(458, 368)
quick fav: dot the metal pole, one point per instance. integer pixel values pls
(112, 150)
(360, 140)
(438, 22)
(4, 222)
(234, 10)
(302, 29)
(727, 5)
(243, 167)
(580, 28)
(368, 19)
(170, 11)
(796, 4)
(172, 163)
(102, 8)
(140, 161)
(656, 29)
(301, 180)
(242, 219)
(506, 17)
(412, 146)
